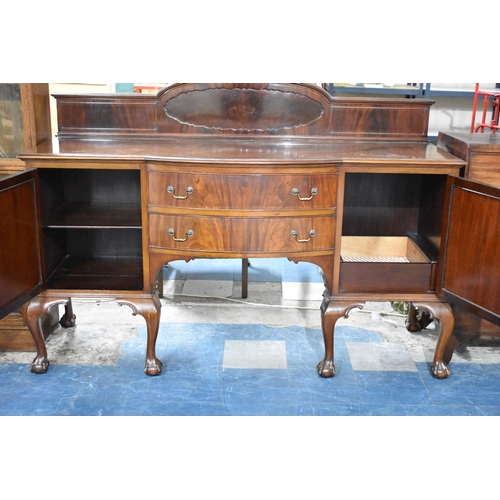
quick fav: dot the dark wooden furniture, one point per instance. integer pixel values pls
(24, 126)
(243, 171)
(481, 152)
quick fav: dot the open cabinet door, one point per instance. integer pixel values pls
(470, 248)
(21, 257)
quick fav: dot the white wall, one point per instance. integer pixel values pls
(454, 114)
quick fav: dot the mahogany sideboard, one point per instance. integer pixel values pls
(246, 171)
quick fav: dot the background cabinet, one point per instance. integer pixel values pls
(24, 122)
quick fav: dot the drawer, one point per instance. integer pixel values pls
(242, 234)
(485, 167)
(384, 264)
(242, 191)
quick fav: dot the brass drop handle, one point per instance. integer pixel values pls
(171, 190)
(296, 192)
(189, 233)
(295, 234)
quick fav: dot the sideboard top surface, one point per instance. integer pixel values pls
(240, 150)
(484, 141)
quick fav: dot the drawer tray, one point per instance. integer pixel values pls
(384, 264)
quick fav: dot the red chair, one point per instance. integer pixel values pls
(493, 125)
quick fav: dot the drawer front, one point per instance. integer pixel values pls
(387, 278)
(240, 234)
(485, 167)
(244, 192)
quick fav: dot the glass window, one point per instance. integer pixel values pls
(11, 121)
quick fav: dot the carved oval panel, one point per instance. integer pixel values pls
(243, 109)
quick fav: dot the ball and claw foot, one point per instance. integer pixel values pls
(39, 365)
(68, 322)
(153, 367)
(440, 370)
(326, 369)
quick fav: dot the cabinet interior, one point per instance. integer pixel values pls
(406, 205)
(391, 230)
(92, 228)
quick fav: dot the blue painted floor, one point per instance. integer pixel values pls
(194, 382)
(249, 367)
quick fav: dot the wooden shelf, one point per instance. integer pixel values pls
(96, 215)
(415, 90)
(98, 273)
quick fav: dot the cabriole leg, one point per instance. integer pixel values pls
(416, 322)
(149, 309)
(68, 319)
(331, 312)
(32, 313)
(445, 344)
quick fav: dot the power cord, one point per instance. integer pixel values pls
(277, 306)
